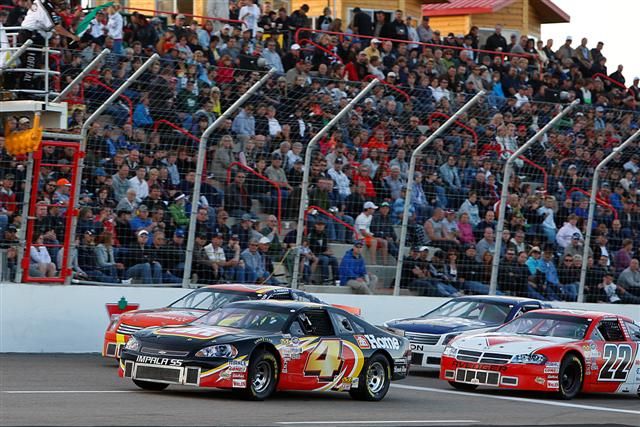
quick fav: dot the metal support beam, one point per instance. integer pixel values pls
(592, 210)
(202, 151)
(17, 54)
(410, 177)
(306, 172)
(22, 233)
(82, 75)
(83, 145)
(508, 169)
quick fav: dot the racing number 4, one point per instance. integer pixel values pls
(325, 360)
(618, 359)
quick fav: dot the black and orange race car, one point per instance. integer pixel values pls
(260, 347)
(193, 305)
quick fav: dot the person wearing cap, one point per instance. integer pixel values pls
(97, 263)
(254, 262)
(8, 202)
(373, 49)
(142, 221)
(363, 231)
(291, 58)
(382, 227)
(244, 230)
(139, 261)
(319, 247)
(567, 231)
(576, 247)
(176, 250)
(177, 209)
(353, 271)
(63, 187)
(341, 180)
(234, 269)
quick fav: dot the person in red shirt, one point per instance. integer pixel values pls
(357, 70)
(8, 201)
(363, 177)
(377, 141)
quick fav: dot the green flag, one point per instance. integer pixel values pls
(84, 25)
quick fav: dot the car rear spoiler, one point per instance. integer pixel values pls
(353, 310)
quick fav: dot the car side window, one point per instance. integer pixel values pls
(295, 329)
(316, 322)
(610, 330)
(634, 330)
(343, 324)
(596, 335)
(359, 327)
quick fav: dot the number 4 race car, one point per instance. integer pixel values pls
(553, 350)
(193, 305)
(258, 347)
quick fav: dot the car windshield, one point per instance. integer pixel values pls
(245, 318)
(206, 299)
(548, 325)
(489, 312)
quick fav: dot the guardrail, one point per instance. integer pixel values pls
(598, 200)
(370, 77)
(322, 48)
(330, 215)
(545, 175)
(609, 79)
(469, 129)
(190, 15)
(264, 178)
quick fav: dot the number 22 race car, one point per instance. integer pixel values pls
(553, 350)
(258, 347)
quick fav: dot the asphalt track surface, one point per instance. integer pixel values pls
(85, 390)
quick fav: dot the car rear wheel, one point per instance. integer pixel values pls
(263, 376)
(463, 386)
(374, 380)
(570, 377)
(148, 385)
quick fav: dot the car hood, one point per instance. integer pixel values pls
(507, 343)
(161, 317)
(438, 325)
(195, 335)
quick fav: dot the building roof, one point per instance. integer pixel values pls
(549, 12)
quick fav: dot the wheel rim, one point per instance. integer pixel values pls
(570, 378)
(375, 377)
(262, 376)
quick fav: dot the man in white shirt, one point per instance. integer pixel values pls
(363, 228)
(40, 21)
(274, 125)
(343, 183)
(250, 14)
(98, 29)
(138, 184)
(115, 28)
(548, 224)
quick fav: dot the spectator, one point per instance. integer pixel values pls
(353, 272)
(254, 263)
(363, 232)
(139, 261)
(40, 260)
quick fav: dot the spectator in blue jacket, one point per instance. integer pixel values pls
(141, 114)
(353, 272)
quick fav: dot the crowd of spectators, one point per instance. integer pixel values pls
(137, 186)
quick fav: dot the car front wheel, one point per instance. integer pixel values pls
(570, 377)
(148, 385)
(374, 380)
(263, 376)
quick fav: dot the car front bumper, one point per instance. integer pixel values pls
(508, 376)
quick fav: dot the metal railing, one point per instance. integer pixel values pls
(458, 123)
(332, 216)
(389, 85)
(609, 79)
(96, 81)
(599, 201)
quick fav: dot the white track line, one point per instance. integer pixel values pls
(66, 391)
(519, 399)
(380, 422)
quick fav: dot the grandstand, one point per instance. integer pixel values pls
(175, 153)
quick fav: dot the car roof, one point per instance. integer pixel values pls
(278, 304)
(496, 299)
(238, 287)
(585, 314)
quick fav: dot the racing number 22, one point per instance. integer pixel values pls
(325, 360)
(618, 359)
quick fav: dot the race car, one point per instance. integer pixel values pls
(430, 333)
(258, 347)
(193, 305)
(552, 350)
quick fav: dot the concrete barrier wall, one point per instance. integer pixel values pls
(72, 319)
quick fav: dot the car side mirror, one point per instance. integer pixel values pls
(346, 325)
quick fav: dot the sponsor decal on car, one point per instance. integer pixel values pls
(239, 383)
(479, 366)
(553, 384)
(362, 341)
(552, 368)
(158, 361)
(417, 347)
(389, 343)
(400, 369)
(237, 366)
(540, 380)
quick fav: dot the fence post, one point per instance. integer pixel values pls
(22, 233)
(410, 177)
(306, 172)
(504, 193)
(592, 209)
(202, 152)
(83, 148)
(83, 73)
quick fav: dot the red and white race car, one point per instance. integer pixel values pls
(552, 350)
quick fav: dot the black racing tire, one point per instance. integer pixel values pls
(570, 377)
(262, 378)
(463, 386)
(374, 380)
(148, 385)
